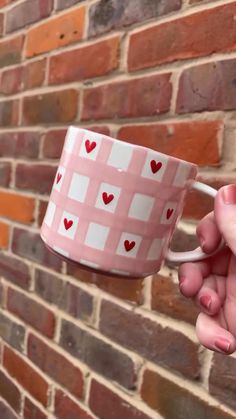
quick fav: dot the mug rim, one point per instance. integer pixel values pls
(137, 146)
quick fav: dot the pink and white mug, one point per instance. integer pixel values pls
(114, 205)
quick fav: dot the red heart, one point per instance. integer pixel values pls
(129, 245)
(68, 223)
(155, 166)
(59, 176)
(169, 213)
(90, 145)
(107, 198)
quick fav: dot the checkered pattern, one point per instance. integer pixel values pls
(114, 206)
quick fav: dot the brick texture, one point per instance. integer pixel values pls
(29, 11)
(11, 51)
(65, 407)
(10, 392)
(31, 411)
(6, 412)
(11, 332)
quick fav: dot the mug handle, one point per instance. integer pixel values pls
(197, 254)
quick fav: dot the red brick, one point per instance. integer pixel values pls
(6, 412)
(207, 87)
(12, 202)
(108, 405)
(175, 402)
(29, 11)
(15, 270)
(23, 77)
(9, 113)
(10, 392)
(60, 106)
(67, 408)
(11, 81)
(53, 143)
(66, 67)
(25, 375)
(34, 74)
(37, 178)
(30, 311)
(11, 332)
(42, 211)
(199, 34)
(31, 411)
(5, 2)
(11, 50)
(19, 144)
(184, 140)
(99, 355)
(4, 235)
(29, 245)
(167, 299)
(55, 365)
(222, 384)
(125, 290)
(147, 96)
(5, 174)
(149, 339)
(105, 16)
(61, 30)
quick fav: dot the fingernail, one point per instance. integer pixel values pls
(229, 194)
(222, 344)
(205, 301)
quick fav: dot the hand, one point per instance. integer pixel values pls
(212, 282)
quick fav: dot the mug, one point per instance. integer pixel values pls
(114, 205)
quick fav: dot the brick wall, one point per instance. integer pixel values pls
(160, 72)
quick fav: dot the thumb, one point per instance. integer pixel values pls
(225, 214)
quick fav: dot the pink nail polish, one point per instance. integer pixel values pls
(222, 344)
(205, 301)
(229, 194)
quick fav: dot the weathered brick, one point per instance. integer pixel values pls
(11, 50)
(66, 296)
(122, 99)
(55, 366)
(37, 178)
(191, 36)
(29, 11)
(19, 144)
(23, 77)
(25, 375)
(4, 235)
(207, 87)
(61, 30)
(9, 113)
(42, 211)
(167, 299)
(184, 140)
(30, 246)
(17, 207)
(31, 312)
(34, 74)
(14, 270)
(125, 290)
(113, 14)
(11, 332)
(6, 412)
(67, 408)
(63, 4)
(158, 392)
(161, 345)
(98, 355)
(222, 382)
(60, 106)
(66, 67)
(10, 393)
(5, 173)
(31, 411)
(53, 143)
(11, 81)
(108, 405)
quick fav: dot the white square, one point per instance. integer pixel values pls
(120, 156)
(51, 209)
(96, 236)
(108, 197)
(61, 251)
(155, 250)
(128, 245)
(78, 187)
(90, 145)
(70, 139)
(169, 213)
(182, 175)
(155, 165)
(141, 207)
(59, 178)
(68, 225)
